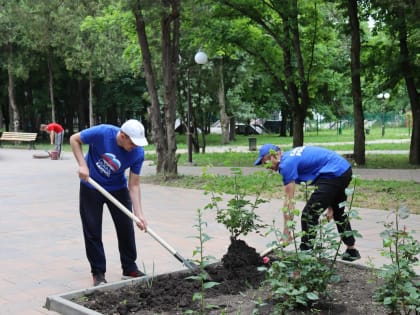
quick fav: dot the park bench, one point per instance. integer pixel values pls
(18, 137)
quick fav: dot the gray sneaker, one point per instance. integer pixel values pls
(99, 279)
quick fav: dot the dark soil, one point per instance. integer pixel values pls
(238, 290)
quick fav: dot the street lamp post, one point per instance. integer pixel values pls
(383, 97)
(189, 139)
(201, 59)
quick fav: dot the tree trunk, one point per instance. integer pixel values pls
(285, 115)
(170, 25)
(51, 83)
(33, 118)
(201, 121)
(303, 105)
(2, 116)
(298, 119)
(158, 136)
(15, 117)
(356, 90)
(298, 108)
(406, 69)
(414, 157)
(189, 118)
(232, 128)
(82, 121)
(163, 135)
(194, 131)
(221, 96)
(91, 118)
(203, 141)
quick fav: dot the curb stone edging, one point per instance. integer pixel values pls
(62, 303)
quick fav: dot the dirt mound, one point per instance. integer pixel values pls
(166, 293)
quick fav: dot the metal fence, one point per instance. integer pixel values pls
(379, 120)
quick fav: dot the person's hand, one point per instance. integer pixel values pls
(83, 173)
(287, 236)
(141, 223)
(329, 214)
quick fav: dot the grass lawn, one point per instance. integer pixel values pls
(375, 194)
(372, 194)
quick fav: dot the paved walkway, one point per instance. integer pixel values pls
(41, 245)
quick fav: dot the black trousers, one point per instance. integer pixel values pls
(329, 192)
(91, 210)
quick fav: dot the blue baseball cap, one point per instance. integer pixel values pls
(264, 150)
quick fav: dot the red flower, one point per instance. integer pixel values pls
(266, 260)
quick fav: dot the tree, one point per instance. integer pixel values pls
(400, 20)
(356, 89)
(285, 60)
(12, 48)
(163, 128)
(403, 17)
(98, 48)
(43, 19)
(201, 31)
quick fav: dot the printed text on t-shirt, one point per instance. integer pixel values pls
(297, 151)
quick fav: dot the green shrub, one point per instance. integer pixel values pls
(399, 290)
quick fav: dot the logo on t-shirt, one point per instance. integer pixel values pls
(297, 151)
(108, 164)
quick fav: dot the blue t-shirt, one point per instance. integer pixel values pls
(303, 164)
(107, 161)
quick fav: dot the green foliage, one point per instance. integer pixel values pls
(202, 237)
(149, 278)
(300, 278)
(100, 44)
(78, 36)
(239, 216)
(123, 95)
(400, 289)
(203, 261)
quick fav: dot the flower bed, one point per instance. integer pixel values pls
(238, 292)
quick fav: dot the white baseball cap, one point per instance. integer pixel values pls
(135, 130)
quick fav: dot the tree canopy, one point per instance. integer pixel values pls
(82, 63)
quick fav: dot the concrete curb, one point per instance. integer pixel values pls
(62, 303)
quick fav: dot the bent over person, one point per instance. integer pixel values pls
(330, 173)
(111, 152)
(56, 132)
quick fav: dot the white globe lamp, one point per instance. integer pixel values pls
(201, 58)
(383, 97)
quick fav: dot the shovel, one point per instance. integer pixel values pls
(189, 264)
(271, 249)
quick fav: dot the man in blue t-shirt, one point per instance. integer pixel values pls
(323, 168)
(112, 151)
